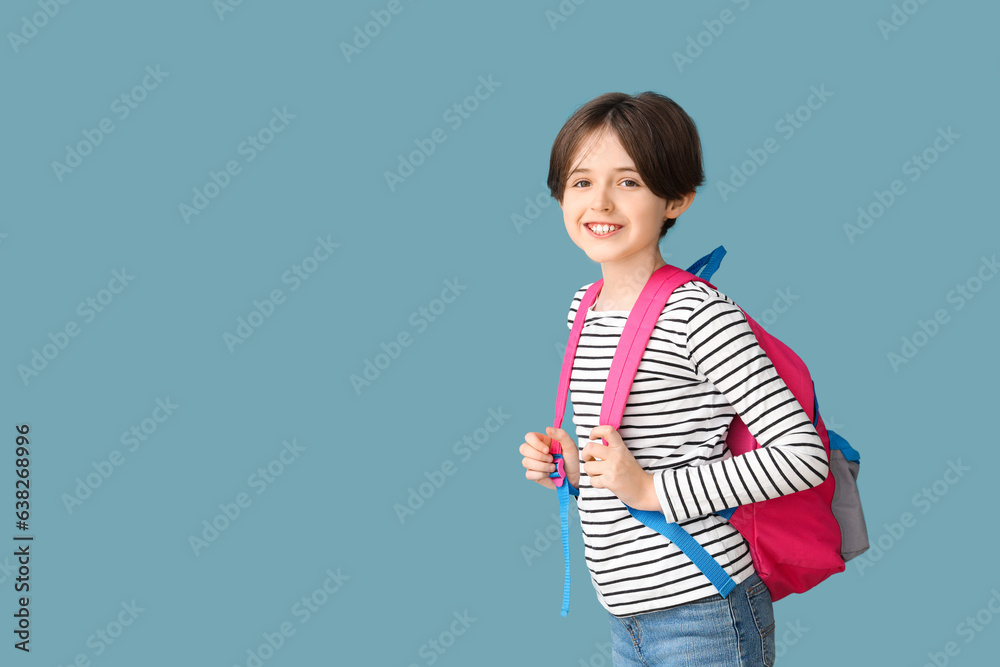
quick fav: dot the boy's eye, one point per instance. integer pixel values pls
(627, 180)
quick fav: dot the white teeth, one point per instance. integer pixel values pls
(602, 229)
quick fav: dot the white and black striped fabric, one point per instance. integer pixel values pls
(702, 360)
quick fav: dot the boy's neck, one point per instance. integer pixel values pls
(623, 282)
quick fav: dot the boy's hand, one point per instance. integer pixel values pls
(538, 461)
(614, 468)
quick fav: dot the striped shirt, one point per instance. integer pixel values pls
(702, 359)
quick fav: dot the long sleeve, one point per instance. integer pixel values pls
(722, 347)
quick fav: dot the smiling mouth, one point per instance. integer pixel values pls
(602, 230)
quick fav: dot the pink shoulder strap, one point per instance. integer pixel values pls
(638, 328)
(589, 297)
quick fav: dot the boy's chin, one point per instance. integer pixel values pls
(597, 254)
(601, 258)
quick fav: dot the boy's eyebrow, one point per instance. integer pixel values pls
(584, 171)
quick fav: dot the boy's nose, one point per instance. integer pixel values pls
(601, 202)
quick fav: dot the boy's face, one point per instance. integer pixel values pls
(596, 191)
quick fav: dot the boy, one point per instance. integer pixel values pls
(623, 168)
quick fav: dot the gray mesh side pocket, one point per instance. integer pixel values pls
(846, 506)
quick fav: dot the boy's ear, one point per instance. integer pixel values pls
(678, 206)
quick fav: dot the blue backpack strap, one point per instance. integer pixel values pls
(709, 264)
(694, 551)
(837, 442)
(564, 491)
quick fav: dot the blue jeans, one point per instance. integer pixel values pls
(735, 631)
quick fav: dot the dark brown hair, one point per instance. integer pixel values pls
(655, 131)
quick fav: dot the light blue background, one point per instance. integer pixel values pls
(497, 345)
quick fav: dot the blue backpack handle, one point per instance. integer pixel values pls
(708, 264)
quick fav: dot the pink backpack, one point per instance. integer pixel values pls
(796, 540)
